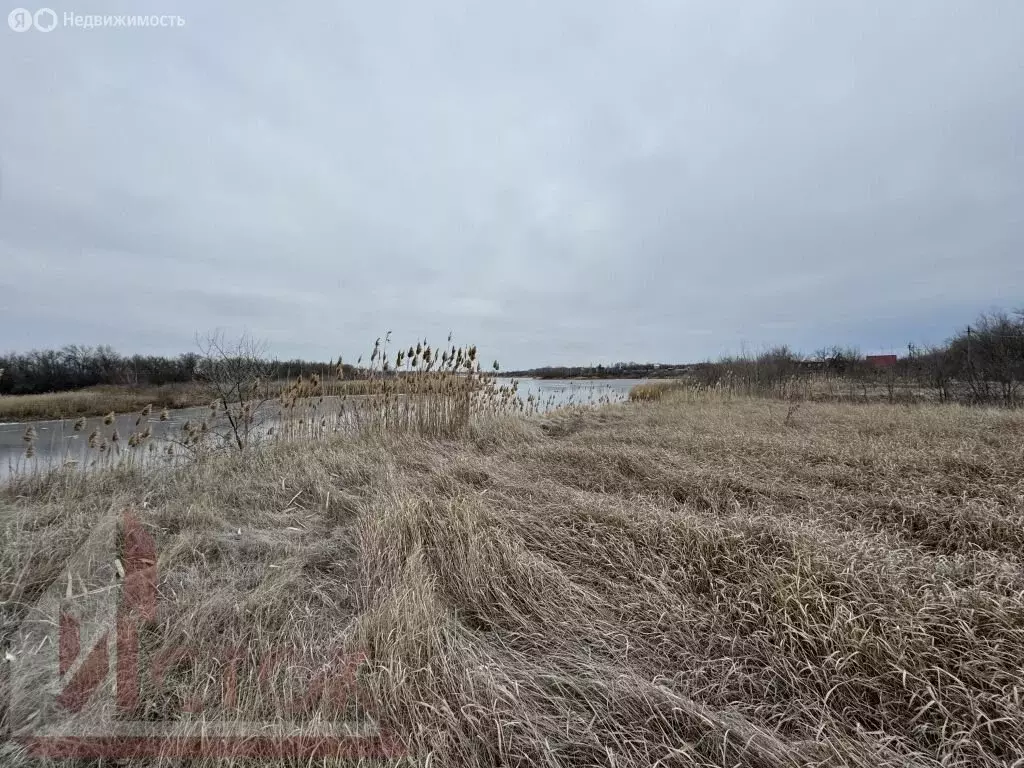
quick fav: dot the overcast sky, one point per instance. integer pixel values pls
(574, 181)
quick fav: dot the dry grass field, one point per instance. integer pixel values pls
(690, 581)
(97, 401)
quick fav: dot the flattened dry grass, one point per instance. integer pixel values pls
(694, 582)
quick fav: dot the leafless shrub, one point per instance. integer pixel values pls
(236, 376)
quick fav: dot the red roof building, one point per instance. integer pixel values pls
(881, 361)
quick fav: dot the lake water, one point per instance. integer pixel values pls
(57, 442)
(554, 393)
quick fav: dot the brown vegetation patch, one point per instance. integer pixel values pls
(682, 582)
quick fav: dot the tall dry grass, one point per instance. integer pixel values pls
(701, 580)
(420, 389)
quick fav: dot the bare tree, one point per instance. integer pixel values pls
(990, 357)
(935, 368)
(237, 374)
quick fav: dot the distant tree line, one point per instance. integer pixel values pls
(982, 363)
(75, 367)
(631, 370)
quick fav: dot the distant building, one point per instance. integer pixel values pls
(881, 361)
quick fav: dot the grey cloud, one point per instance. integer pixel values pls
(577, 182)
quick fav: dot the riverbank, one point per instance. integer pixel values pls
(701, 582)
(98, 401)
